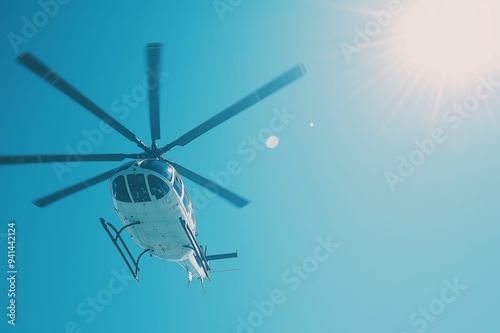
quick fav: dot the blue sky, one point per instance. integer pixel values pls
(394, 250)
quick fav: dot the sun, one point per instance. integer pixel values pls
(455, 39)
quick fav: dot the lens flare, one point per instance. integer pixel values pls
(272, 142)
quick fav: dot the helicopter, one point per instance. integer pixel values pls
(148, 193)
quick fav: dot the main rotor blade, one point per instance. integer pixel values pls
(256, 96)
(211, 186)
(42, 202)
(54, 79)
(24, 159)
(154, 88)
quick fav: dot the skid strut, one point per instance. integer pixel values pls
(132, 263)
(196, 248)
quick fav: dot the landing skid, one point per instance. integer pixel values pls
(132, 263)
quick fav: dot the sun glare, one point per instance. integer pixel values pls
(456, 39)
(426, 54)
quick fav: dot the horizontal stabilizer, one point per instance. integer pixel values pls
(222, 256)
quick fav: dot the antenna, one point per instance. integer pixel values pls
(203, 286)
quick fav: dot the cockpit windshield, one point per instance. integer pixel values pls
(157, 187)
(137, 187)
(119, 189)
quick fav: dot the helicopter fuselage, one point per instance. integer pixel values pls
(150, 198)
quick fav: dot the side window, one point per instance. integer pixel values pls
(168, 173)
(119, 188)
(137, 186)
(157, 187)
(178, 185)
(186, 201)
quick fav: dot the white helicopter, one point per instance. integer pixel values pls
(148, 193)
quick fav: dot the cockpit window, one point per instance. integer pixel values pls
(178, 185)
(163, 168)
(119, 188)
(168, 173)
(157, 187)
(137, 186)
